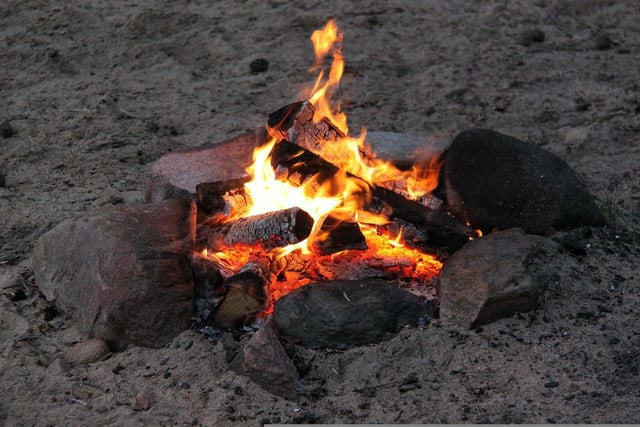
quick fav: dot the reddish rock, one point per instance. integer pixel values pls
(123, 274)
(176, 174)
(264, 360)
(494, 277)
(87, 351)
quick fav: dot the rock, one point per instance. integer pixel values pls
(495, 181)
(144, 401)
(3, 178)
(176, 174)
(123, 274)
(493, 277)
(6, 130)
(259, 65)
(345, 313)
(602, 41)
(576, 136)
(264, 360)
(87, 352)
(529, 37)
(60, 366)
(404, 150)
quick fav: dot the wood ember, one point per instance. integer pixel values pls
(297, 165)
(222, 196)
(269, 230)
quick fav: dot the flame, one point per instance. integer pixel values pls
(343, 196)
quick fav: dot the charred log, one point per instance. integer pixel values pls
(222, 196)
(443, 230)
(339, 236)
(269, 230)
(244, 295)
(297, 165)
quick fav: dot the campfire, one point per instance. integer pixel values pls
(317, 205)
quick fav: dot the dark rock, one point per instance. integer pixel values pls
(340, 314)
(176, 174)
(3, 178)
(50, 313)
(529, 37)
(264, 360)
(495, 181)
(6, 130)
(259, 65)
(122, 274)
(493, 277)
(602, 41)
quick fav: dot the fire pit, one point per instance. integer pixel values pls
(307, 232)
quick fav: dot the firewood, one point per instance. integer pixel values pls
(244, 295)
(444, 231)
(269, 230)
(340, 236)
(207, 277)
(294, 123)
(222, 196)
(297, 165)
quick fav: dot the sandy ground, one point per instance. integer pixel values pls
(97, 90)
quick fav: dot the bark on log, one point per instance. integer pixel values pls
(222, 196)
(269, 230)
(244, 295)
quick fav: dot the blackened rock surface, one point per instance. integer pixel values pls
(123, 274)
(493, 277)
(264, 360)
(345, 313)
(176, 174)
(497, 181)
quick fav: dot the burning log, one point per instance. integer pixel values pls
(222, 196)
(340, 236)
(297, 165)
(269, 230)
(443, 230)
(294, 123)
(244, 295)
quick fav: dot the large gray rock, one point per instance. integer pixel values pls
(346, 313)
(495, 181)
(494, 277)
(176, 174)
(123, 274)
(264, 360)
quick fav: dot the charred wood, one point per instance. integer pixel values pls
(269, 230)
(338, 235)
(222, 196)
(444, 231)
(297, 165)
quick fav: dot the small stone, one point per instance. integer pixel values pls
(60, 366)
(3, 178)
(50, 313)
(259, 65)
(86, 352)
(144, 401)
(528, 37)
(6, 130)
(551, 384)
(602, 42)
(576, 136)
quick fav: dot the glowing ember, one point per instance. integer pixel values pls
(343, 196)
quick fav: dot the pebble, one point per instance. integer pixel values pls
(529, 37)
(259, 65)
(87, 352)
(602, 42)
(6, 130)
(143, 401)
(3, 178)
(60, 366)
(576, 136)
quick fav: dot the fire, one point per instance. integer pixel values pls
(343, 196)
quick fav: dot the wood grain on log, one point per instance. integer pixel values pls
(222, 196)
(244, 295)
